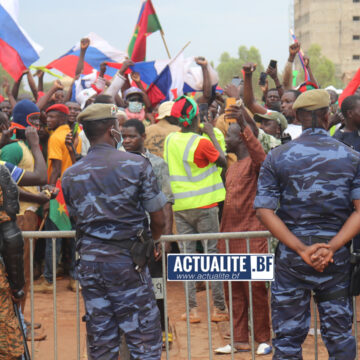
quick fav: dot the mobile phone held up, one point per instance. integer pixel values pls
(229, 101)
(204, 112)
(236, 81)
(273, 64)
(262, 79)
(20, 134)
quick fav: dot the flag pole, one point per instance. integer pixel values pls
(174, 58)
(166, 47)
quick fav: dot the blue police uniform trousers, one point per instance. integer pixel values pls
(290, 305)
(119, 300)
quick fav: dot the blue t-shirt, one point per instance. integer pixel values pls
(108, 193)
(311, 181)
(15, 172)
(351, 139)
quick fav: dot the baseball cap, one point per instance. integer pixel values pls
(273, 115)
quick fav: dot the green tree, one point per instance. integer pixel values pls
(232, 66)
(4, 74)
(323, 68)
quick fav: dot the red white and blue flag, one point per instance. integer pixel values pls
(17, 50)
(174, 78)
(98, 51)
(168, 79)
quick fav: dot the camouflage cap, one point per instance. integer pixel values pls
(273, 115)
(98, 112)
(312, 100)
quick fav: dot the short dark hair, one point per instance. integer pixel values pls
(103, 99)
(303, 114)
(296, 93)
(137, 124)
(96, 128)
(349, 103)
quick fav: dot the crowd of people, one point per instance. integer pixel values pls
(127, 171)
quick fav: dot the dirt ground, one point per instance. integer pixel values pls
(67, 339)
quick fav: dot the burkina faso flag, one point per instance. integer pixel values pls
(58, 213)
(147, 23)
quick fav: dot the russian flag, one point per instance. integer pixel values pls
(168, 79)
(17, 50)
(98, 51)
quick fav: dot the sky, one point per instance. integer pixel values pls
(213, 27)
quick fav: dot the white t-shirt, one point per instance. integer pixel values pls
(293, 130)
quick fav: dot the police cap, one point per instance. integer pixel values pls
(312, 100)
(98, 112)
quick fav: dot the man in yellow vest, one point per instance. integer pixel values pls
(197, 187)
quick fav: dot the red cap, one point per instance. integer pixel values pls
(58, 107)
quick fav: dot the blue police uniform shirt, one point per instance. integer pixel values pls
(311, 181)
(108, 193)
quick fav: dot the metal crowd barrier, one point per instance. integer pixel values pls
(30, 235)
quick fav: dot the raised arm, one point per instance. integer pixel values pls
(6, 87)
(253, 145)
(16, 86)
(308, 67)
(47, 96)
(136, 78)
(32, 85)
(287, 76)
(249, 98)
(39, 175)
(207, 91)
(272, 72)
(40, 75)
(102, 73)
(84, 44)
(119, 79)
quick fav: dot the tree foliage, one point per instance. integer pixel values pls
(322, 68)
(232, 66)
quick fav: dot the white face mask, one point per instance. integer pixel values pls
(118, 142)
(135, 106)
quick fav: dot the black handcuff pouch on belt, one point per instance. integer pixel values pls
(141, 250)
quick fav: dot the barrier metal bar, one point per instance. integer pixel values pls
(251, 309)
(227, 247)
(355, 326)
(315, 327)
(208, 307)
(187, 314)
(77, 315)
(54, 294)
(165, 303)
(77, 322)
(31, 244)
(168, 238)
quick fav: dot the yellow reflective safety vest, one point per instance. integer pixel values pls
(193, 187)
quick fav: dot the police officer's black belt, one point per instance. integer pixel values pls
(333, 295)
(125, 244)
(313, 239)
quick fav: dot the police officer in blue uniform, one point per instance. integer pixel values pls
(313, 185)
(108, 193)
